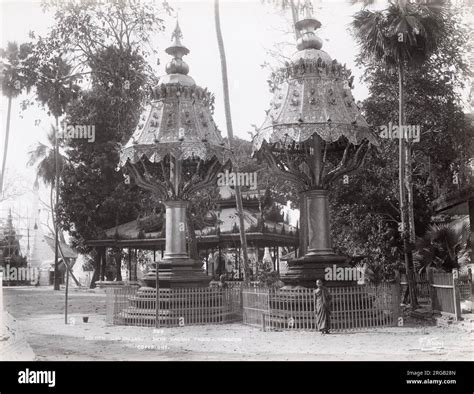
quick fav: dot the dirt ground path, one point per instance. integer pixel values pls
(40, 315)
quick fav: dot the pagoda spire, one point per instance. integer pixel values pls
(10, 221)
(306, 27)
(177, 49)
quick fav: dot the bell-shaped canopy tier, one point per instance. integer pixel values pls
(313, 95)
(178, 121)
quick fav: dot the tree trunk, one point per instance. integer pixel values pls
(95, 275)
(407, 250)
(134, 267)
(409, 188)
(471, 223)
(56, 221)
(68, 268)
(230, 136)
(118, 265)
(5, 148)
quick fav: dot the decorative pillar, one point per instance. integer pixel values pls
(177, 269)
(175, 230)
(320, 255)
(303, 226)
(317, 205)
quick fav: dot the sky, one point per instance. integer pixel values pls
(250, 29)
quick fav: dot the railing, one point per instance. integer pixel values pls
(352, 308)
(118, 299)
(445, 296)
(422, 287)
(441, 290)
(238, 284)
(255, 303)
(465, 289)
(1, 305)
(128, 305)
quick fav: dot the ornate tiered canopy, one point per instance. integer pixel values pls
(176, 148)
(313, 95)
(312, 114)
(178, 121)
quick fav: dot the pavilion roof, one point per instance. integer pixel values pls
(204, 241)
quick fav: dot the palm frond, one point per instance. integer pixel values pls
(404, 33)
(443, 245)
(365, 3)
(39, 152)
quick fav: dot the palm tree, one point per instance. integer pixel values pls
(49, 160)
(48, 166)
(444, 246)
(230, 137)
(403, 35)
(43, 156)
(11, 82)
(55, 88)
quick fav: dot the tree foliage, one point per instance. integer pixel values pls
(366, 208)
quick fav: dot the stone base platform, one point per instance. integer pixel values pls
(306, 270)
(178, 273)
(177, 307)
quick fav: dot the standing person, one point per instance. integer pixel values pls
(323, 307)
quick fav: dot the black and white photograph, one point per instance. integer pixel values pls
(249, 181)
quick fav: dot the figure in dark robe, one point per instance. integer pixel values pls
(323, 307)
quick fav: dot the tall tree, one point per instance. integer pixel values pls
(106, 43)
(94, 194)
(12, 82)
(230, 136)
(403, 35)
(55, 88)
(43, 156)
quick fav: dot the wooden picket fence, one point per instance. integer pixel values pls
(443, 291)
(127, 305)
(352, 308)
(239, 284)
(422, 287)
(465, 289)
(1, 305)
(445, 295)
(355, 307)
